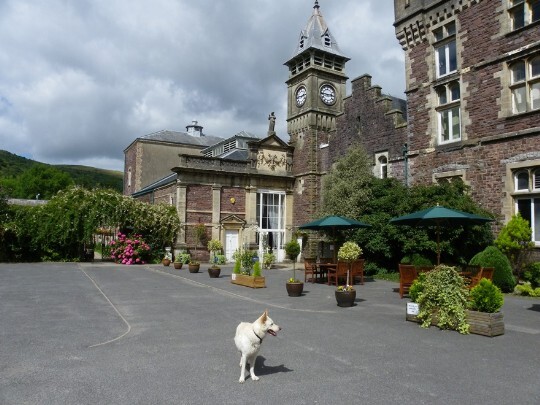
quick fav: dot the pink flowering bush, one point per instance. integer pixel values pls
(130, 249)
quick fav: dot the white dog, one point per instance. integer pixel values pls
(248, 339)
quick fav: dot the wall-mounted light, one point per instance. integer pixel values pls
(232, 200)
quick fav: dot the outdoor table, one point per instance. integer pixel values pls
(324, 267)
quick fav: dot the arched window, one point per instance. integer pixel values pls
(522, 181)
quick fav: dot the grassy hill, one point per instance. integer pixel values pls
(12, 166)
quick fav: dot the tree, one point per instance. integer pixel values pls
(515, 242)
(346, 188)
(41, 181)
(350, 189)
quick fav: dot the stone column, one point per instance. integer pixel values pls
(181, 207)
(216, 211)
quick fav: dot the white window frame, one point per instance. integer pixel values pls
(449, 107)
(280, 230)
(525, 90)
(445, 40)
(522, 12)
(529, 198)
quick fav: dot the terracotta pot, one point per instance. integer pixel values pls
(194, 268)
(177, 266)
(294, 289)
(166, 262)
(214, 271)
(345, 298)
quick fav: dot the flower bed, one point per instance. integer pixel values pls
(130, 249)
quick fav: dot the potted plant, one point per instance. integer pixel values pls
(345, 295)
(484, 316)
(293, 285)
(181, 259)
(268, 260)
(199, 233)
(214, 246)
(250, 275)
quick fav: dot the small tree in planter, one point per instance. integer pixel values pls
(199, 233)
(349, 252)
(214, 246)
(293, 285)
(484, 316)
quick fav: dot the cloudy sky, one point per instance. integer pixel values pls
(81, 79)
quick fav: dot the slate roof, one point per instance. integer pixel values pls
(182, 138)
(312, 36)
(171, 178)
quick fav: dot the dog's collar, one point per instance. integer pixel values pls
(260, 338)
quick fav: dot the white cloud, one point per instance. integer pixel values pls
(82, 79)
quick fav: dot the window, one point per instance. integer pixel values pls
(523, 12)
(129, 177)
(383, 164)
(445, 49)
(271, 221)
(525, 85)
(448, 112)
(527, 202)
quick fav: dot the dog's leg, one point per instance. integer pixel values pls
(243, 360)
(251, 361)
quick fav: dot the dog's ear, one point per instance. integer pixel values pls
(264, 316)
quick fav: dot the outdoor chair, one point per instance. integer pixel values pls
(423, 269)
(357, 270)
(485, 272)
(310, 269)
(340, 272)
(407, 275)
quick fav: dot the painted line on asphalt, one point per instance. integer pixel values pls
(113, 306)
(235, 295)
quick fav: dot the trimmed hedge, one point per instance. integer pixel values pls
(493, 257)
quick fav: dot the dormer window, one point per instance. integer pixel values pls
(326, 39)
(302, 43)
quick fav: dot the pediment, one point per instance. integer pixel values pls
(233, 220)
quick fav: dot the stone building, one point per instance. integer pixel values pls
(473, 98)
(255, 192)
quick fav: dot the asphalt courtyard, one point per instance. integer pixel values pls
(101, 333)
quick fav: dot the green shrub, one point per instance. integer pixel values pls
(486, 297)
(527, 290)
(237, 267)
(532, 274)
(416, 259)
(493, 257)
(221, 259)
(417, 287)
(445, 294)
(257, 269)
(515, 242)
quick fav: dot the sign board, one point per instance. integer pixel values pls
(412, 308)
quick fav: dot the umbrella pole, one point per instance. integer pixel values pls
(438, 246)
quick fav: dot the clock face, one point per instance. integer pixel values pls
(328, 94)
(301, 95)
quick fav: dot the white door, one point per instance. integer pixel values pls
(231, 244)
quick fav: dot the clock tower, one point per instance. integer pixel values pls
(316, 88)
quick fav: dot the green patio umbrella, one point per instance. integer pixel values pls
(333, 223)
(439, 216)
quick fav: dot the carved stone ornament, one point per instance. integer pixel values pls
(271, 160)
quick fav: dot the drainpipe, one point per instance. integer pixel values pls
(405, 152)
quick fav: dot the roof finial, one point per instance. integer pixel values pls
(316, 4)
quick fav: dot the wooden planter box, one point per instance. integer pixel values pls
(480, 323)
(248, 281)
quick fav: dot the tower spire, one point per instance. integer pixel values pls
(316, 6)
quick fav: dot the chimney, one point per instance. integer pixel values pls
(194, 129)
